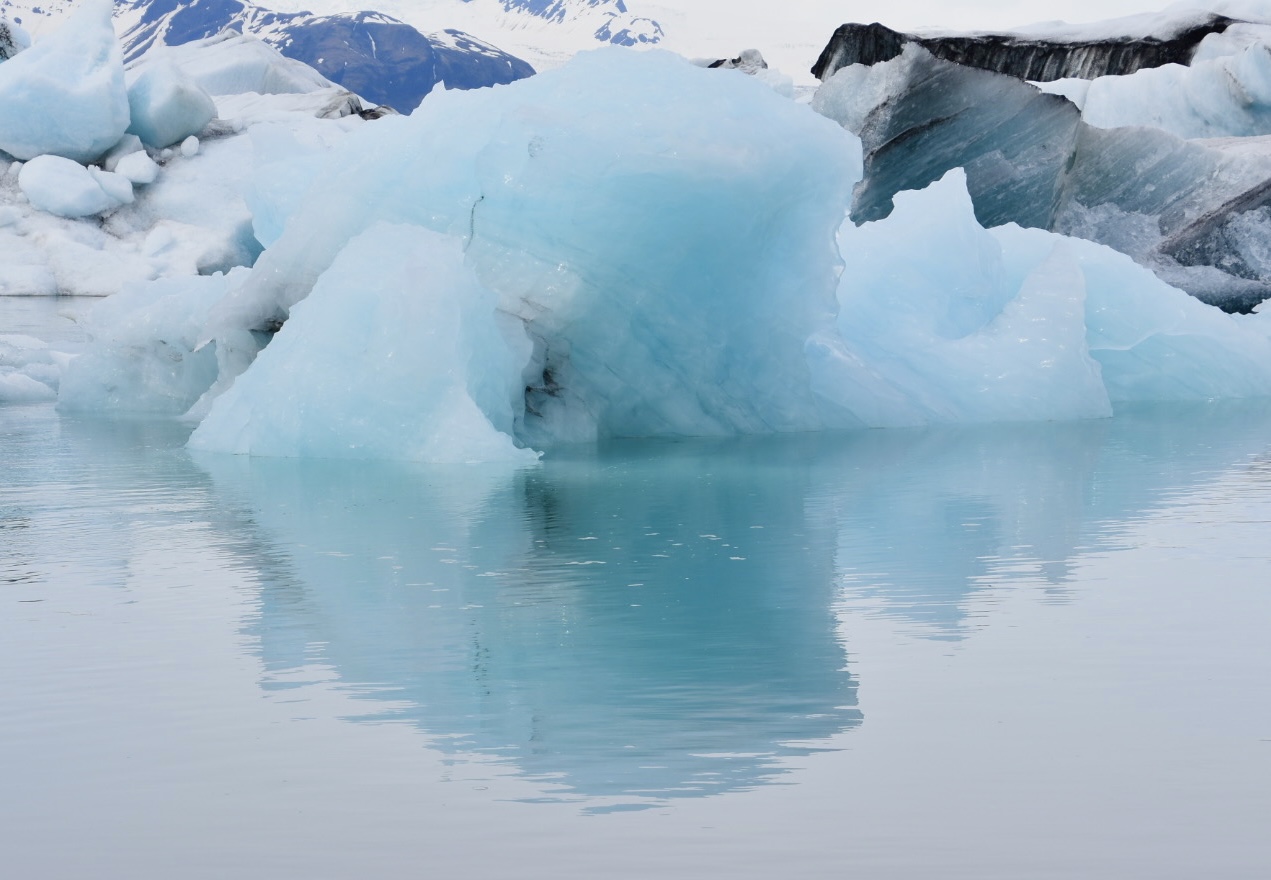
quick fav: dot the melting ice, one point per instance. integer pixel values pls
(627, 246)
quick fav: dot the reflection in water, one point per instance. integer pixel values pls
(927, 518)
(658, 618)
(651, 621)
(642, 621)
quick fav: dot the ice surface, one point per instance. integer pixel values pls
(188, 217)
(234, 64)
(138, 167)
(65, 95)
(68, 189)
(1013, 323)
(626, 246)
(397, 312)
(142, 356)
(1228, 96)
(167, 106)
(29, 371)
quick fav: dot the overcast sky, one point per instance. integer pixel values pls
(982, 14)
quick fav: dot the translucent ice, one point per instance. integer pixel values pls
(652, 225)
(1228, 96)
(142, 357)
(395, 354)
(68, 189)
(65, 95)
(630, 245)
(1014, 323)
(167, 106)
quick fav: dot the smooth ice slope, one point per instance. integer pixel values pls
(65, 95)
(167, 106)
(386, 358)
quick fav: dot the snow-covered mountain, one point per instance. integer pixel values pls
(383, 59)
(380, 58)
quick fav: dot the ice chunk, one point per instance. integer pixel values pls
(167, 106)
(1016, 323)
(234, 64)
(395, 354)
(66, 95)
(68, 189)
(28, 370)
(18, 387)
(137, 167)
(127, 145)
(1227, 96)
(141, 357)
(948, 336)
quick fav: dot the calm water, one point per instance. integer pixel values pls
(997, 652)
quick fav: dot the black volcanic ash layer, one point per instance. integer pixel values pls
(1036, 59)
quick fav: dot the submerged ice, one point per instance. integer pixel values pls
(634, 246)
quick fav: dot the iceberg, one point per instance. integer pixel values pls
(635, 246)
(1014, 324)
(68, 189)
(65, 95)
(166, 106)
(165, 213)
(647, 236)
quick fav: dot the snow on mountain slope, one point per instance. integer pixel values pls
(790, 35)
(384, 60)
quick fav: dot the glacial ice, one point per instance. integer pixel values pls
(235, 64)
(631, 216)
(619, 248)
(1020, 324)
(187, 214)
(143, 358)
(625, 246)
(1225, 96)
(68, 189)
(65, 95)
(395, 353)
(167, 106)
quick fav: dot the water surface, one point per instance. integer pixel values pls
(1000, 651)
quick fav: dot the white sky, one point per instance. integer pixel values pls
(976, 14)
(790, 33)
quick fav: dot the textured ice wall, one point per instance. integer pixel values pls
(663, 235)
(1022, 324)
(65, 95)
(387, 357)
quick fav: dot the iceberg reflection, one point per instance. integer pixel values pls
(660, 619)
(650, 620)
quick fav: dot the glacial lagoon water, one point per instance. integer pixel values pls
(1005, 651)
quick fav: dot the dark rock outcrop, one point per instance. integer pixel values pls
(9, 45)
(1036, 59)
